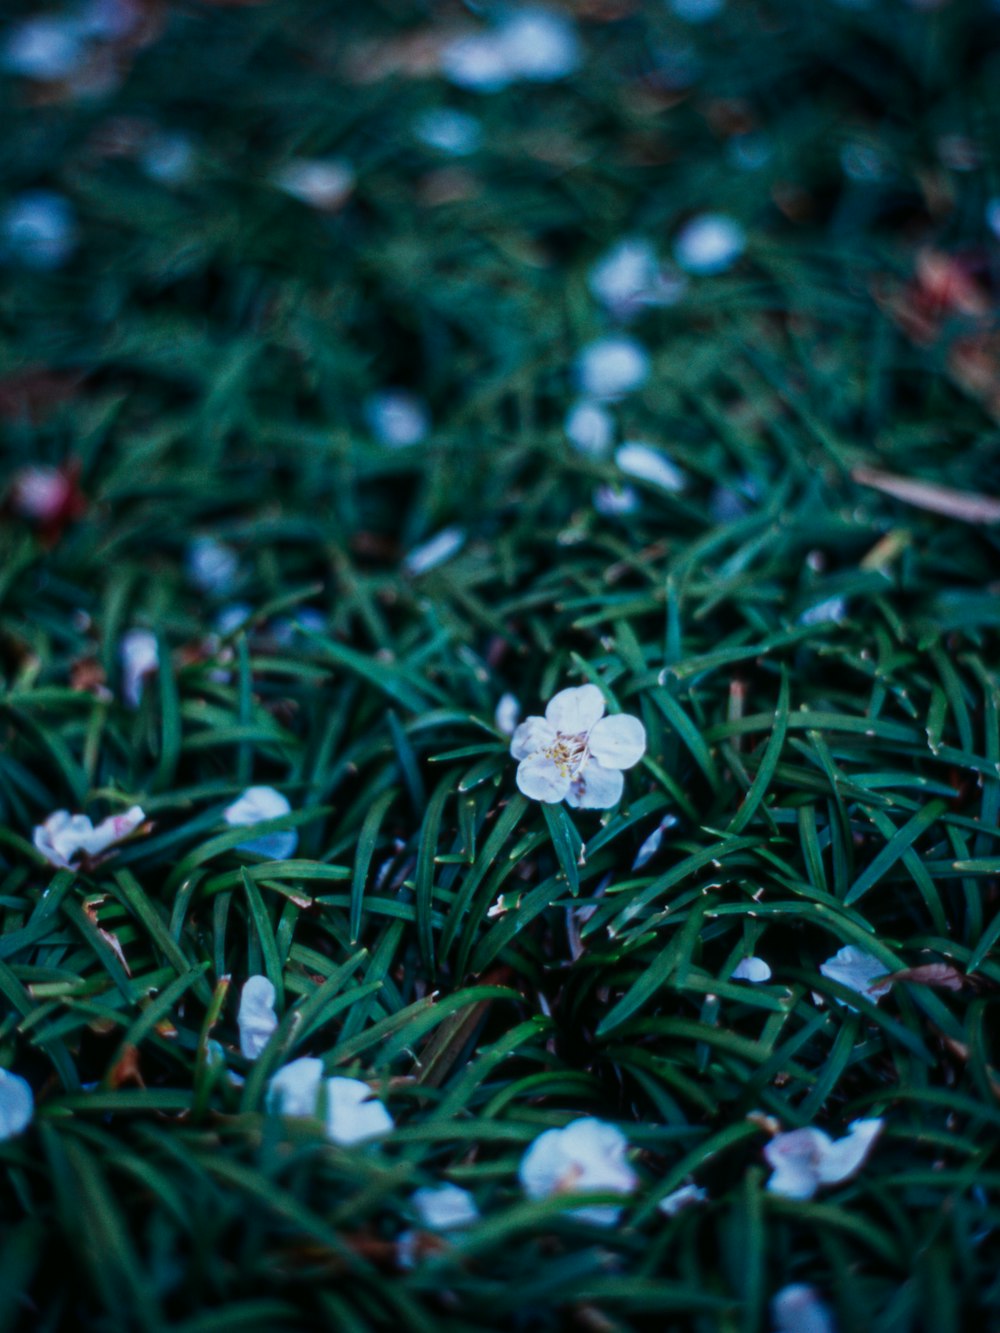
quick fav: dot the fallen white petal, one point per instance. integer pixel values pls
(477, 62)
(618, 741)
(253, 807)
(17, 1104)
(798, 1309)
(795, 1158)
(751, 969)
(397, 418)
(256, 1019)
(858, 971)
(575, 710)
(612, 367)
(686, 1197)
(832, 611)
(507, 712)
(449, 131)
(590, 428)
(435, 552)
(294, 1090)
(322, 184)
(614, 501)
(64, 838)
(586, 1156)
(539, 45)
(843, 1157)
(444, 1207)
(211, 565)
(353, 1113)
(709, 244)
(140, 657)
(651, 465)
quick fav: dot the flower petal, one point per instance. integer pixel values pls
(586, 1156)
(618, 741)
(445, 1207)
(253, 807)
(841, 1159)
(686, 1197)
(508, 710)
(858, 971)
(596, 788)
(17, 1104)
(795, 1158)
(294, 1090)
(353, 1113)
(574, 711)
(256, 1019)
(540, 779)
(751, 969)
(798, 1309)
(534, 734)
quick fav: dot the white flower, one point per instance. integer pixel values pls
(652, 844)
(17, 1104)
(211, 565)
(508, 710)
(38, 230)
(833, 610)
(586, 1157)
(805, 1159)
(44, 48)
(647, 464)
(253, 807)
(256, 1019)
(686, 1197)
(612, 367)
(590, 428)
(540, 45)
(613, 501)
(64, 838)
(353, 1114)
(859, 971)
(449, 131)
(434, 552)
(575, 753)
(444, 1208)
(168, 157)
(709, 244)
(322, 184)
(751, 969)
(41, 493)
(798, 1309)
(294, 1090)
(397, 418)
(140, 656)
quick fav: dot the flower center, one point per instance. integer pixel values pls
(569, 754)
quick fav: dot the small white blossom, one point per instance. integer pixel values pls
(38, 229)
(614, 501)
(64, 838)
(294, 1090)
(651, 465)
(322, 184)
(575, 753)
(651, 845)
(611, 367)
(586, 1157)
(859, 971)
(798, 1309)
(688, 1196)
(445, 1207)
(449, 131)
(211, 565)
(397, 418)
(256, 1019)
(709, 244)
(253, 807)
(140, 657)
(353, 1114)
(751, 969)
(590, 428)
(17, 1104)
(508, 710)
(434, 552)
(803, 1160)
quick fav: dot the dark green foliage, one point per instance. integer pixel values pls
(204, 358)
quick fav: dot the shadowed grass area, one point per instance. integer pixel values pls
(812, 651)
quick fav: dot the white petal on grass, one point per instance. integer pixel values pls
(615, 501)
(325, 184)
(618, 741)
(397, 418)
(140, 657)
(540, 45)
(477, 62)
(688, 1196)
(709, 244)
(798, 1309)
(17, 1104)
(858, 971)
(168, 157)
(256, 1019)
(212, 566)
(585, 1157)
(444, 1207)
(541, 779)
(64, 838)
(803, 1160)
(449, 131)
(609, 368)
(434, 552)
(751, 969)
(846, 1156)
(832, 610)
(590, 428)
(254, 806)
(625, 276)
(294, 1090)
(38, 230)
(646, 463)
(508, 710)
(353, 1113)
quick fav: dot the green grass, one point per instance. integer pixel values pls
(833, 783)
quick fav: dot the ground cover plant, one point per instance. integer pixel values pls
(371, 375)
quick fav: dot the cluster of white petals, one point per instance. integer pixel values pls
(575, 753)
(586, 1157)
(858, 971)
(64, 839)
(256, 1019)
(533, 45)
(803, 1160)
(353, 1114)
(256, 805)
(17, 1104)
